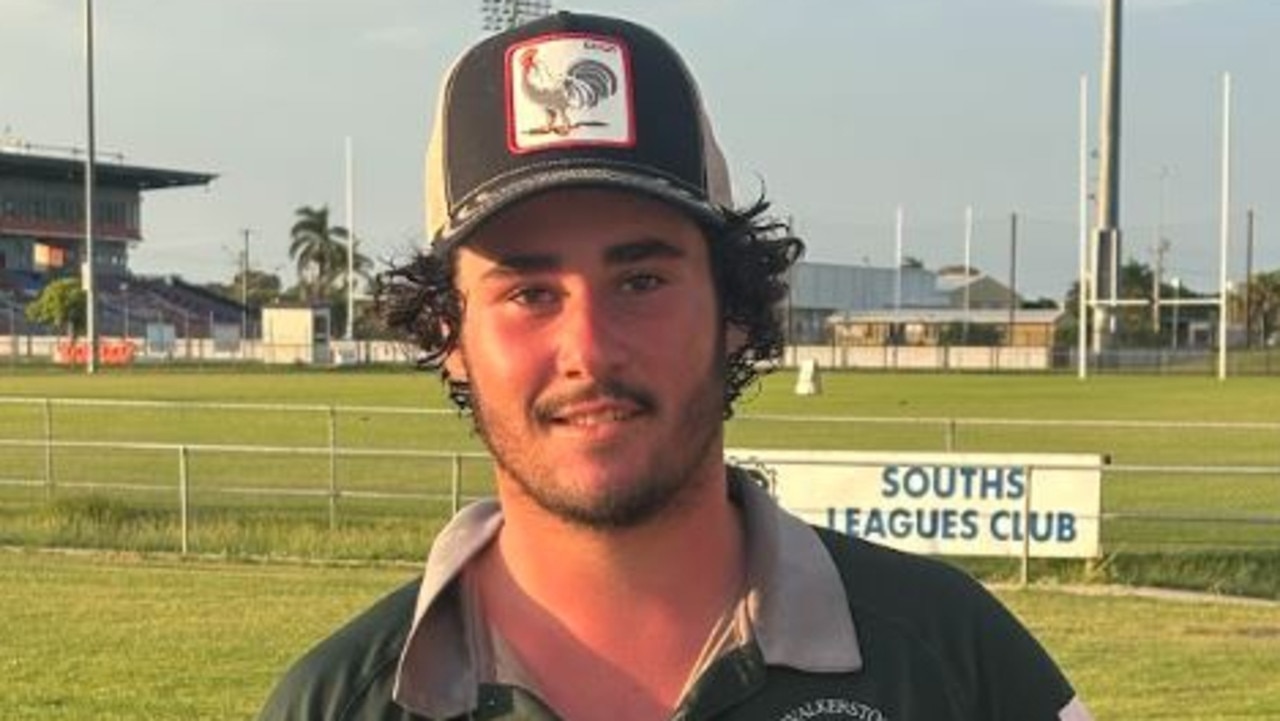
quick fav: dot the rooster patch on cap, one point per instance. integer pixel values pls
(563, 91)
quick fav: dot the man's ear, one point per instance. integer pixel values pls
(455, 366)
(735, 337)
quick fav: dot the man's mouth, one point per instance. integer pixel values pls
(594, 407)
(586, 417)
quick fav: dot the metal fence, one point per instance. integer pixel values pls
(1206, 485)
(20, 349)
(1257, 361)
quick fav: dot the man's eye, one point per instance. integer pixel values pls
(532, 296)
(641, 282)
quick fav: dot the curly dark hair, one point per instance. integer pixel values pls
(751, 255)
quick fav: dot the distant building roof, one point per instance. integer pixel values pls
(939, 316)
(949, 283)
(47, 167)
(829, 286)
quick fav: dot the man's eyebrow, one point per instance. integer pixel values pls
(620, 254)
(643, 249)
(518, 263)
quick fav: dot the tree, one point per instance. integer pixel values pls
(1261, 300)
(1040, 303)
(1134, 282)
(320, 252)
(262, 289)
(62, 304)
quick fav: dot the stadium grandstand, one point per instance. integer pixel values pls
(42, 240)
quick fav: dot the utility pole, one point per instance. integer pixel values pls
(1013, 276)
(898, 229)
(351, 243)
(1084, 286)
(1158, 250)
(244, 287)
(968, 270)
(1108, 223)
(1248, 282)
(1224, 228)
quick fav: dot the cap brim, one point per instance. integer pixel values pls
(473, 213)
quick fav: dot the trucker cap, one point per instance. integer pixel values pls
(569, 100)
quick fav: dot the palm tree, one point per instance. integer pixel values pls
(320, 251)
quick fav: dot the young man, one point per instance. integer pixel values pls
(596, 303)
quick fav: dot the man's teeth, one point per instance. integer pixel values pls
(591, 419)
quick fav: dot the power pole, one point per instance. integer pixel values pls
(1013, 275)
(1248, 282)
(1159, 250)
(968, 270)
(351, 243)
(1157, 279)
(1224, 228)
(244, 287)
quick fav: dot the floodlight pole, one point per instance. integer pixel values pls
(499, 15)
(1106, 264)
(87, 263)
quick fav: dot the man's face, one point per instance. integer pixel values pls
(592, 344)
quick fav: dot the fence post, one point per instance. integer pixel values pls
(1025, 574)
(950, 432)
(333, 469)
(455, 484)
(184, 498)
(48, 448)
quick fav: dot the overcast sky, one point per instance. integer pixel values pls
(840, 109)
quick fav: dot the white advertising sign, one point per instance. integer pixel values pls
(970, 504)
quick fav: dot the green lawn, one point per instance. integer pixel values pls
(381, 409)
(122, 637)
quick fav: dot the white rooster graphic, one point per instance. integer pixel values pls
(580, 87)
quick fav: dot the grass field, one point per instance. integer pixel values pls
(132, 636)
(121, 637)
(1163, 512)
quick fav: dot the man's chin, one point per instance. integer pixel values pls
(606, 502)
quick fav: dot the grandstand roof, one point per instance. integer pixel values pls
(48, 167)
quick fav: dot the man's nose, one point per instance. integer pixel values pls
(592, 342)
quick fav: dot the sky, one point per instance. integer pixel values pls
(839, 111)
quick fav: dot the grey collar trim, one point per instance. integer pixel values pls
(796, 602)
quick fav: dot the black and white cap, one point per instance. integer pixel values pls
(569, 101)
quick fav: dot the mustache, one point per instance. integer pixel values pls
(548, 408)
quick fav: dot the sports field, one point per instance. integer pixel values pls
(145, 635)
(333, 499)
(119, 637)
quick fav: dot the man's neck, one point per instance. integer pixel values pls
(628, 609)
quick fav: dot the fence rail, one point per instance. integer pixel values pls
(189, 349)
(1148, 499)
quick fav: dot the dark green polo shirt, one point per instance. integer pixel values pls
(839, 628)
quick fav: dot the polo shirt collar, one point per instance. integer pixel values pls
(796, 601)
